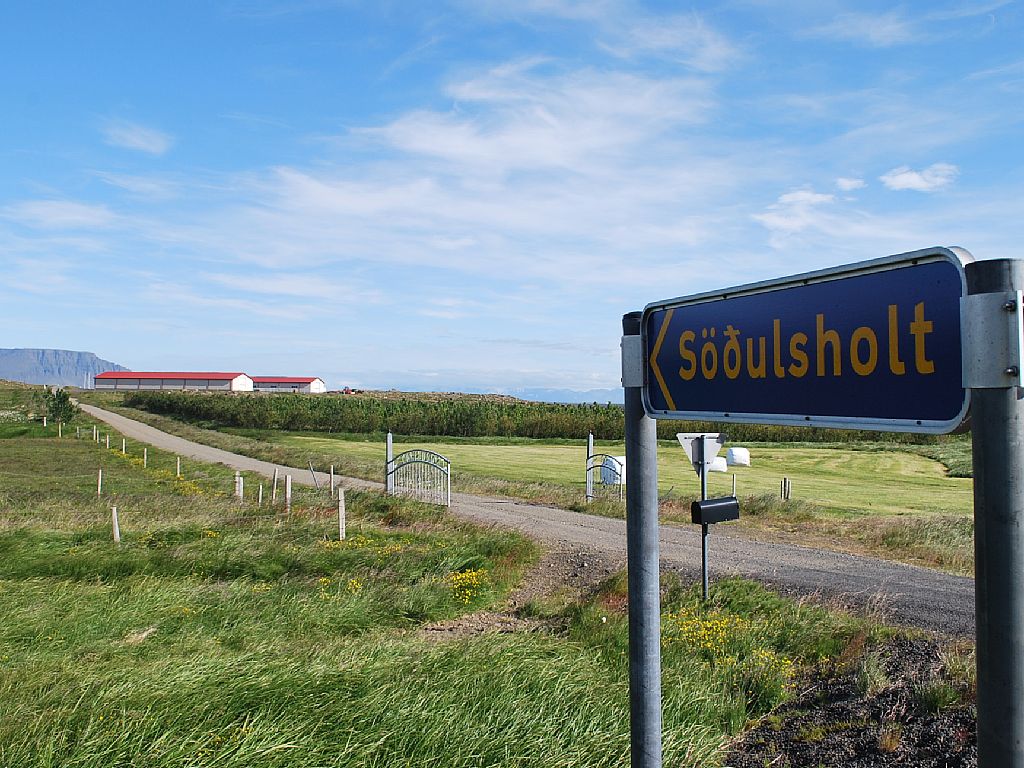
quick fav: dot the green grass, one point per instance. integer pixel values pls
(840, 480)
(864, 498)
(223, 633)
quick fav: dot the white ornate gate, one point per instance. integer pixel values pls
(418, 474)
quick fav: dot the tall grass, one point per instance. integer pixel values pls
(220, 633)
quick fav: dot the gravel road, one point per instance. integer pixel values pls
(903, 594)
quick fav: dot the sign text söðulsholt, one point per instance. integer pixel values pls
(873, 345)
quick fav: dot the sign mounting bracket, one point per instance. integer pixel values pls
(992, 325)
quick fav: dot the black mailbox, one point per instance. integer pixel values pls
(715, 510)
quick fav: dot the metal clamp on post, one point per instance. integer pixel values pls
(993, 340)
(632, 361)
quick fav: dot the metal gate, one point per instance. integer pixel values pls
(604, 470)
(418, 474)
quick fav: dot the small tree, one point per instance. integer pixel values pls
(58, 405)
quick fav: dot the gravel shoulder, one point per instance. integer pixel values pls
(902, 594)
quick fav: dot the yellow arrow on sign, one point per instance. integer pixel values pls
(654, 361)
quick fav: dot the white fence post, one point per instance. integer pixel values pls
(99, 483)
(332, 481)
(177, 471)
(389, 456)
(108, 442)
(288, 493)
(124, 446)
(44, 421)
(259, 497)
(60, 429)
(145, 457)
(341, 514)
(273, 494)
(116, 526)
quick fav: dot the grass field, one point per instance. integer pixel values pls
(222, 633)
(910, 503)
(839, 480)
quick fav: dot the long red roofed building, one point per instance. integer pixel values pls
(200, 380)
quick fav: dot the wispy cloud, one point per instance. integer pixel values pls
(140, 186)
(900, 27)
(522, 116)
(846, 184)
(58, 214)
(967, 10)
(931, 179)
(880, 30)
(794, 211)
(307, 286)
(129, 135)
(686, 39)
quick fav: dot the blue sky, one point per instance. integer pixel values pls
(469, 195)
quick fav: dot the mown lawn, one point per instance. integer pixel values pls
(841, 480)
(230, 634)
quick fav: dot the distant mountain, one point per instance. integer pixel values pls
(53, 366)
(539, 394)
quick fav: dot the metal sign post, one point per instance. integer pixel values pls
(700, 450)
(907, 343)
(992, 317)
(702, 454)
(643, 568)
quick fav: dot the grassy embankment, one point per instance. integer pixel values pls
(905, 501)
(221, 633)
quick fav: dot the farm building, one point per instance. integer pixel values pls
(218, 382)
(310, 385)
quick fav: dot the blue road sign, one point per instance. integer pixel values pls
(874, 345)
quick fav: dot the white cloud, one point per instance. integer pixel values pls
(122, 133)
(141, 186)
(58, 214)
(967, 10)
(931, 179)
(794, 211)
(520, 117)
(308, 286)
(877, 30)
(846, 184)
(686, 39)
